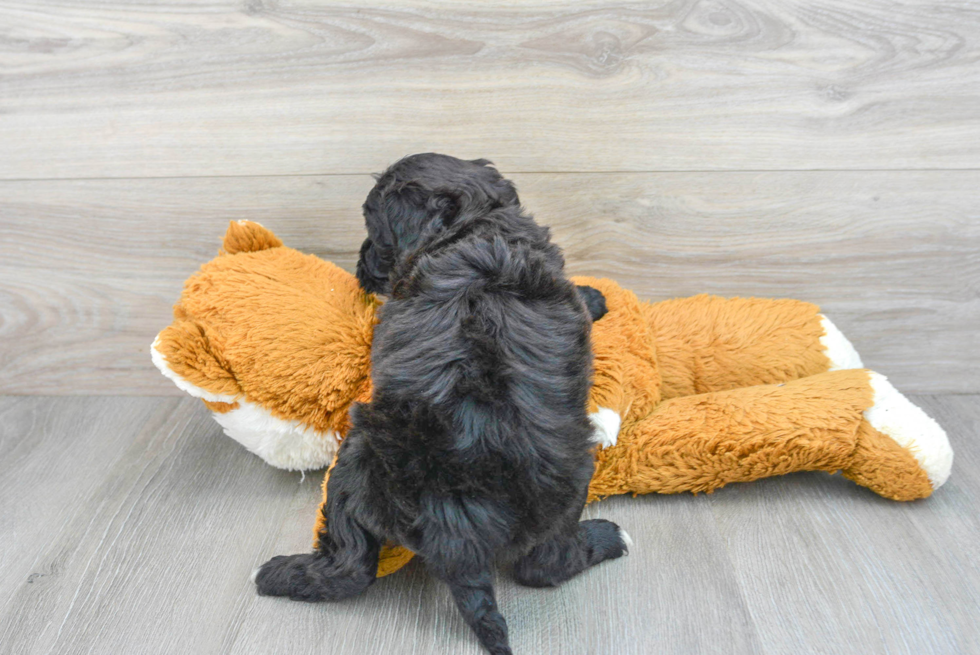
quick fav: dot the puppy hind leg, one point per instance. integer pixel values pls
(344, 564)
(570, 552)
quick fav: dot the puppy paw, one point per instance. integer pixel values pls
(286, 575)
(312, 577)
(594, 301)
(606, 540)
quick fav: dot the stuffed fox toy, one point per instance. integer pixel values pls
(688, 394)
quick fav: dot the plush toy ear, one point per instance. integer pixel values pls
(247, 236)
(183, 353)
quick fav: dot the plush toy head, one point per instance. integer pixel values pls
(276, 343)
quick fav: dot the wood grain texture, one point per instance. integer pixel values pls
(130, 525)
(90, 269)
(153, 537)
(825, 563)
(48, 461)
(121, 88)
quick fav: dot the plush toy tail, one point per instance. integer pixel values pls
(901, 452)
(247, 236)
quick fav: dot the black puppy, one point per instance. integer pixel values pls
(476, 442)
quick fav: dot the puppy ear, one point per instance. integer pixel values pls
(417, 208)
(373, 266)
(443, 208)
(507, 193)
(498, 188)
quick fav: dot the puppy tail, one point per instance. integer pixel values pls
(248, 236)
(458, 538)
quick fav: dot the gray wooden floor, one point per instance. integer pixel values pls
(130, 525)
(827, 150)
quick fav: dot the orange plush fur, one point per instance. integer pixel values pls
(688, 394)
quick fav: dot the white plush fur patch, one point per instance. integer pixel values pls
(895, 415)
(606, 423)
(838, 349)
(289, 445)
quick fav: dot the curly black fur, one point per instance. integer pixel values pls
(476, 442)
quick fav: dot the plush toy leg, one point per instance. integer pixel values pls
(703, 442)
(708, 343)
(826, 422)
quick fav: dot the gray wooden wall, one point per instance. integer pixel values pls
(825, 150)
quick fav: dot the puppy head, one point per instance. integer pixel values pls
(416, 199)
